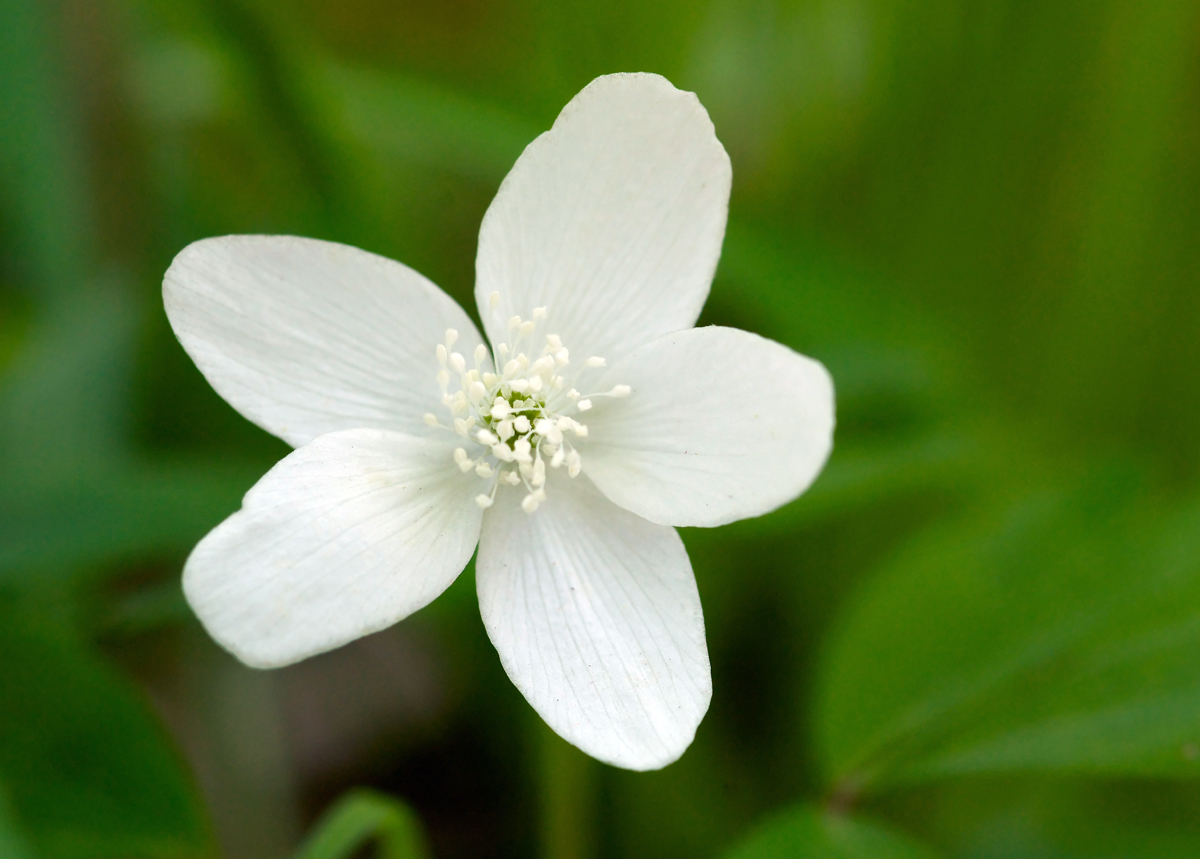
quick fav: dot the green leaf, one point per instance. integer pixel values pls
(396, 117)
(357, 818)
(1038, 818)
(14, 844)
(806, 832)
(1060, 638)
(121, 513)
(41, 165)
(89, 771)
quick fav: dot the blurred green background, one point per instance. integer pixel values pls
(977, 636)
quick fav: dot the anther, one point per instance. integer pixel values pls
(494, 300)
(451, 337)
(620, 391)
(462, 426)
(431, 419)
(458, 363)
(531, 501)
(480, 355)
(484, 501)
(584, 405)
(594, 361)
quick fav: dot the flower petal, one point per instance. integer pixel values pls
(305, 337)
(345, 536)
(597, 620)
(722, 424)
(613, 219)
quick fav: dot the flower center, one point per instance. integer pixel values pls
(521, 418)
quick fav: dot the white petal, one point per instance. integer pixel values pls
(347, 535)
(597, 620)
(305, 337)
(613, 219)
(722, 424)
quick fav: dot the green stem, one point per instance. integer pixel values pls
(567, 785)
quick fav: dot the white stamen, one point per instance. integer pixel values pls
(514, 414)
(531, 501)
(462, 426)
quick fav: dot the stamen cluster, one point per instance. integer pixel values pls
(521, 418)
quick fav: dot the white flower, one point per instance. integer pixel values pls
(600, 419)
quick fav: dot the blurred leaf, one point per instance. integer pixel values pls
(64, 402)
(397, 117)
(41, 168)
(1061, 638)
(122, 512)
(807, 833)
(88, 768)
(1059, 818)
(14, 844)
(75, 493)
(359, 817)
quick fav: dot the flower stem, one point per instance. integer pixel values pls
(567, 784)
